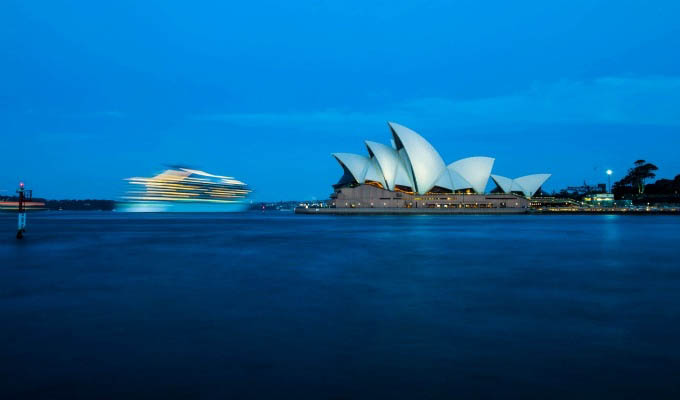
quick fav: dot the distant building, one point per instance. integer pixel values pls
(605, 200)
(587, 189)
(553, 202)
(600, 200)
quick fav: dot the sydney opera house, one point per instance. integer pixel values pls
(411, 174)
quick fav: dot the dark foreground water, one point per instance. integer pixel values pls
(104, 305)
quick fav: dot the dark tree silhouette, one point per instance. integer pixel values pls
(635, 179)
(664, 187)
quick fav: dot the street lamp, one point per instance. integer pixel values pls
(609, 179)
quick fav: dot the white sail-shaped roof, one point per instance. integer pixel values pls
(504, 183)
(529, 184)
(452, 180)
(422, 161)
(475, 170)
(444, 181)
(387, 159)
(516, 187)
(402, 178)
(373, 172)
(354, 163)
(458, 181)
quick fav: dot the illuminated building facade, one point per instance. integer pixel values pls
(600, 200)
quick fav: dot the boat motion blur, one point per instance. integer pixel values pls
(180, 189)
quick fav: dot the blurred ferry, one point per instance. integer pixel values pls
(180, 189)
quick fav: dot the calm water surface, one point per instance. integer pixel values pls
(273, 305)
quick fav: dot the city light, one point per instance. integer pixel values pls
(609, 172)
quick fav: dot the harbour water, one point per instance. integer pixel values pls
(276, 305)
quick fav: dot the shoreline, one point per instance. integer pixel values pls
(475, 211)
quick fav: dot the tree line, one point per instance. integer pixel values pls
(634, 184)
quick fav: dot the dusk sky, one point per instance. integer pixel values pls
(94, 92)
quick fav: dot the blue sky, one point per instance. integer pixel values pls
(91, 93)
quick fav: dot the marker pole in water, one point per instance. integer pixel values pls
(21, 220)
(21, 228)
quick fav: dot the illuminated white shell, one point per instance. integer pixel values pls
(354, 163)
(423, 164)
(388, 162)
(529, 184)
(458, 181)
(474, 170)
(373, 172)
(444, 181)
(505, 184)
(402, 177)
